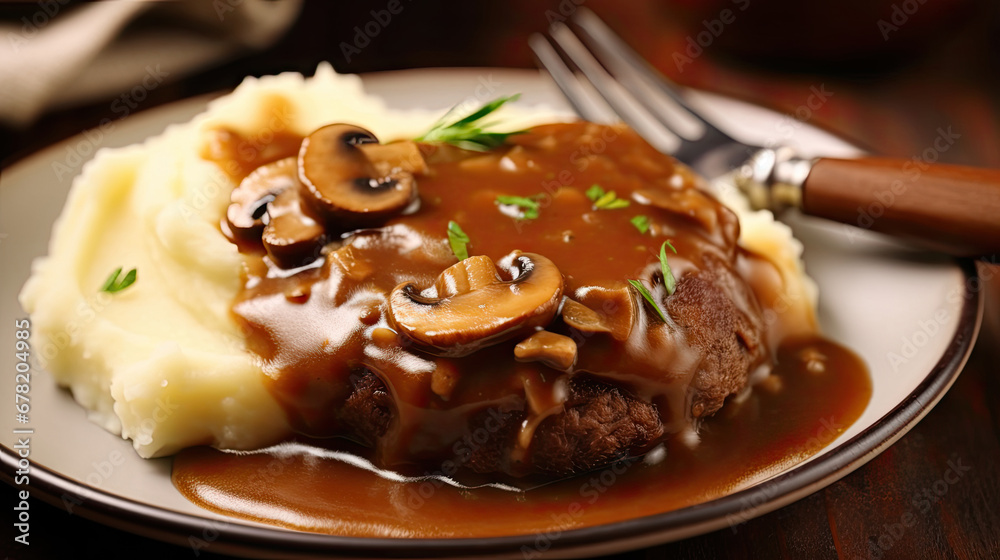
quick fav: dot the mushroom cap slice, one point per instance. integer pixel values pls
(467, 275)
(696, 205)
(489, 311)
(266, 207)
(602, 309)
(554, 350)
(247, 213)
(583, 318)
(352, 180)
(292, 236)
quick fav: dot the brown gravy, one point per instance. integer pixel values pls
(317, 327)
(777, 426)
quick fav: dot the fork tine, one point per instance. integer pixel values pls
(628, 66)
(550, 60)
(603, 82)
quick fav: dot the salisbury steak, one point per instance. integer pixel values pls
(601, 421)
(481, 317)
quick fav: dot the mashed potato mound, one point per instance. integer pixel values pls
(164, 363)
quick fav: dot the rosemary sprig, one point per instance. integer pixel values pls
(669, 282)
(648, 296)
(468, 132)
(458, 240)
(112, 284)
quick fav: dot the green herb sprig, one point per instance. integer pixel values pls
(527, 206)
(648, 297)
(458, 240)
(669, 282)
(605, 200)
(468, 132)
(113, 285)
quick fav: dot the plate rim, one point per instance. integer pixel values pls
(235, 536)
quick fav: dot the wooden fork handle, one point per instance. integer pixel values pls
(949, 208)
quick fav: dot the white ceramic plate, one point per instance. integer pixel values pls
(911, 316)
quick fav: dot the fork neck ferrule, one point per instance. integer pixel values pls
(773, 177)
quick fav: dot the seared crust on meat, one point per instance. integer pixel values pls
(368, 410)
(601, 424)
(731, 339)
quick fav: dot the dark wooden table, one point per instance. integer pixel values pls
(938, 68)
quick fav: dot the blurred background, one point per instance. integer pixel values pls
(893, 73)
(898, 69)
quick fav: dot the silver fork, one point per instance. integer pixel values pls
(954, 209)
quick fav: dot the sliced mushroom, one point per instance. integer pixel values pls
(267, 206)
(583, 318)
(292, 237)
(476, 308)
(554, 350)
(353, 181)
(694, 204)
(691, 203)
(247, 213)
(395, 157)
(348, 262)
(603, 308)
(467, 275)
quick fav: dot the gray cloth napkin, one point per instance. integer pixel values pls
(62, 56)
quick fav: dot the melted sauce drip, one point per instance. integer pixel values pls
(320, 329)
(306, 486)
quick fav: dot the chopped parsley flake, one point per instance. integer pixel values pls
(605, 200)
(527, 207)
(641, 223)
(458, 240)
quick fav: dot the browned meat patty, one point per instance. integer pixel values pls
(602, 423)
